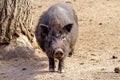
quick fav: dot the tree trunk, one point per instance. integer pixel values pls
(16, 32)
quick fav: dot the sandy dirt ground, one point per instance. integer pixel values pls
(97, 45)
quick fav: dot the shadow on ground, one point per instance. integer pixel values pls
(22, 69)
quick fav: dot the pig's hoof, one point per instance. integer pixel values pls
(52, 70)
(61, 71)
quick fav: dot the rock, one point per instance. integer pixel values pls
(100, 23)
(24, 68)
(114, 57)
(117, 70)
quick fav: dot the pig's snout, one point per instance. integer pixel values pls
(58, 53)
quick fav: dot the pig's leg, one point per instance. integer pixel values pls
(71, 53)
(61, 65)
(51, 65)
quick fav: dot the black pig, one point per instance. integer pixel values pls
(56, 33)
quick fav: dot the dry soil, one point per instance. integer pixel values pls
(97, 51)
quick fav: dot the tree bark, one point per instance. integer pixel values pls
(16, 32)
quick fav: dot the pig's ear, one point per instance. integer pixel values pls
(44, 28)
(67, 28)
